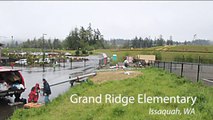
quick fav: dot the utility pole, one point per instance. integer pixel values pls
(12, 45)
(43, 51)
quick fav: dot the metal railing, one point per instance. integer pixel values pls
(74, 79)
(193, 71)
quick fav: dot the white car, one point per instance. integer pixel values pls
(46, 60)
(21, 62)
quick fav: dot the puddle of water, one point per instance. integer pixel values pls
(35, 75)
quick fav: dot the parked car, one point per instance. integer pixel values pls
(21, 62)
(11, 83)
(46, 60)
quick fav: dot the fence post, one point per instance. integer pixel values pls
(99, 63)
(198, 72)
(181, 72)
(64, 62)
(170, 67)
(200, 61)
(71, 63)
(84, 62)
(59, 62)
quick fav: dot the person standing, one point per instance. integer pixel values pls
(46, 91)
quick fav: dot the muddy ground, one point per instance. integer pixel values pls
(104, 76)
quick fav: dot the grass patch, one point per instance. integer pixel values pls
(153, 82)
(185, 53)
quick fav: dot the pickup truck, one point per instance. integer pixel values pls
(11, 83)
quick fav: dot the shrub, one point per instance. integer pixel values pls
(90, 52)
(158, 55)
(77, 52)
(84, 52)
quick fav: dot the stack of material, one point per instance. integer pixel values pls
(3, 86)
(32, 105)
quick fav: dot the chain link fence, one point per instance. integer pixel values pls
(192, 71)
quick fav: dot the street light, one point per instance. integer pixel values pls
(43, 51)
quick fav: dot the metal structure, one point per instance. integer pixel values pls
(80, 78)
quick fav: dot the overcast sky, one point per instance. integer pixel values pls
(121, 19)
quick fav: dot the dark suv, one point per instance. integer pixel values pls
(11, 83)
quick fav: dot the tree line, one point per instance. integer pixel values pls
(90, 39)
(147, 42)
(139, 42)
(40, 43)
(87, 39)
(84, 39)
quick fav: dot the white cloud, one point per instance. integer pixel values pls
(121, 19)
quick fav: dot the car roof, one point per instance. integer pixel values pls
(2, 69)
